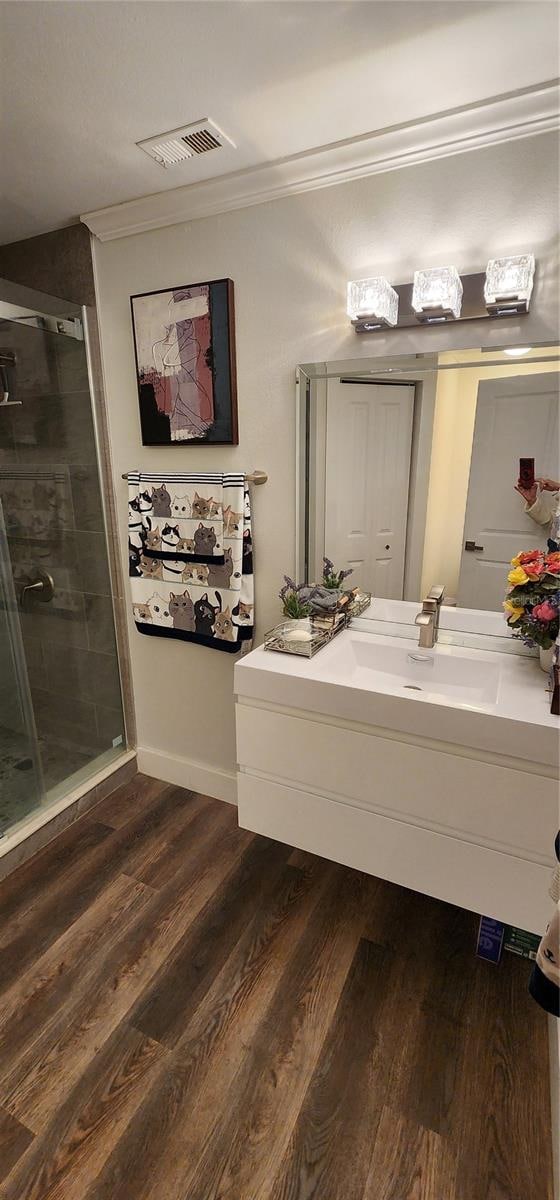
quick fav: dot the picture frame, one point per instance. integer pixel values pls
(184, 346)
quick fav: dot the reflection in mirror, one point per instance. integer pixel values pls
(411, 469)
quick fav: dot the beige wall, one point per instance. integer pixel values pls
(290, 260)
(454, 416)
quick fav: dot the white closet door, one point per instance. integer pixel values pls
(516, 418)
(369, 433)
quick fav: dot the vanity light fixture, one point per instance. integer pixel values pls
(508, 285)
(372, 303)
(440, 295)
(437, 295)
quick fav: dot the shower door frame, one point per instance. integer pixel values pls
(20, 665)
(110, 517)
(21, 304)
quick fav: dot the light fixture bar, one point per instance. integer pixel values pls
(474, 307)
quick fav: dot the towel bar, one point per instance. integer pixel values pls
(253, 477)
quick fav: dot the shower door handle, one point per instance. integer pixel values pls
(42, 587)
(7, 360)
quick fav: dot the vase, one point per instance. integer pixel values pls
(545, 657)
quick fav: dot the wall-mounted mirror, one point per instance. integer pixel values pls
(408, 469)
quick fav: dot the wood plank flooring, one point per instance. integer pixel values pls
(191, 1012)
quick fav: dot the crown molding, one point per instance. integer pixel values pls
(504, 118)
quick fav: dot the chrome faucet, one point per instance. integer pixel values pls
(428, 618)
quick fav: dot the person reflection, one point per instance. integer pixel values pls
(542, 504)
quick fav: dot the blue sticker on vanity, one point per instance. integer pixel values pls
(490, 939)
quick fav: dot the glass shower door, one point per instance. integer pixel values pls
(20, 769)
(57, 552)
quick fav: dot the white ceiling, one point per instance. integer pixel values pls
(81, 82)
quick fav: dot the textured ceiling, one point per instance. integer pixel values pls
(82, 82)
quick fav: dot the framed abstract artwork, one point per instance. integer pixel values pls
(184, 340)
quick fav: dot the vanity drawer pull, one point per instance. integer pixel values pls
(472, 546)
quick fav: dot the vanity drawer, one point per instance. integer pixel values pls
(477, 878)
(450, 791)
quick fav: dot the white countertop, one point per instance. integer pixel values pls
(516, 722)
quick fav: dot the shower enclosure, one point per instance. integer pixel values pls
(61, 713)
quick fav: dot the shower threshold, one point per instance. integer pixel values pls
(60, 761)
(58, 810)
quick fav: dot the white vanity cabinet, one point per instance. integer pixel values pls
(449, 789)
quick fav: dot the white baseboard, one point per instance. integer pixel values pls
(554, 1045)
(188, 773)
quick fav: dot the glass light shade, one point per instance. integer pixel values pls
(437, 294)
(373, 298)
(510, 281)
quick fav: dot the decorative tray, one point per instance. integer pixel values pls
(306, 636)
(297, 637)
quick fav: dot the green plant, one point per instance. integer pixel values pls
(333, 579)
(292, 604)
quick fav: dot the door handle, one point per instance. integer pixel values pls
(473, 548)
(42, 587)
(7, 360)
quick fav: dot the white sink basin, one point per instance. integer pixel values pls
(369, 663)
(479, 698)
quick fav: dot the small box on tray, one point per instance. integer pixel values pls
(358, 601)
(328, 622)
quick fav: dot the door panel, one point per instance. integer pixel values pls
(369, 433)
(515, 417)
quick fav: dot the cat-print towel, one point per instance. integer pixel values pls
(188, 514)
(192, 575)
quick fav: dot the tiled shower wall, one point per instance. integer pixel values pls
(58, 263)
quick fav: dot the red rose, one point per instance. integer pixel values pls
(534, 569)
(545, 611)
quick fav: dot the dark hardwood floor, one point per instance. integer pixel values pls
(191, 1012)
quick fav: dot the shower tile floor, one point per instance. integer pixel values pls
(17, 791)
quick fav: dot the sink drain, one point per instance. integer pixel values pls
(412, 687)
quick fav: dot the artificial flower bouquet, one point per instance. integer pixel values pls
(533, 598)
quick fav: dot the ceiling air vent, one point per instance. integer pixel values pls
(178, 145)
